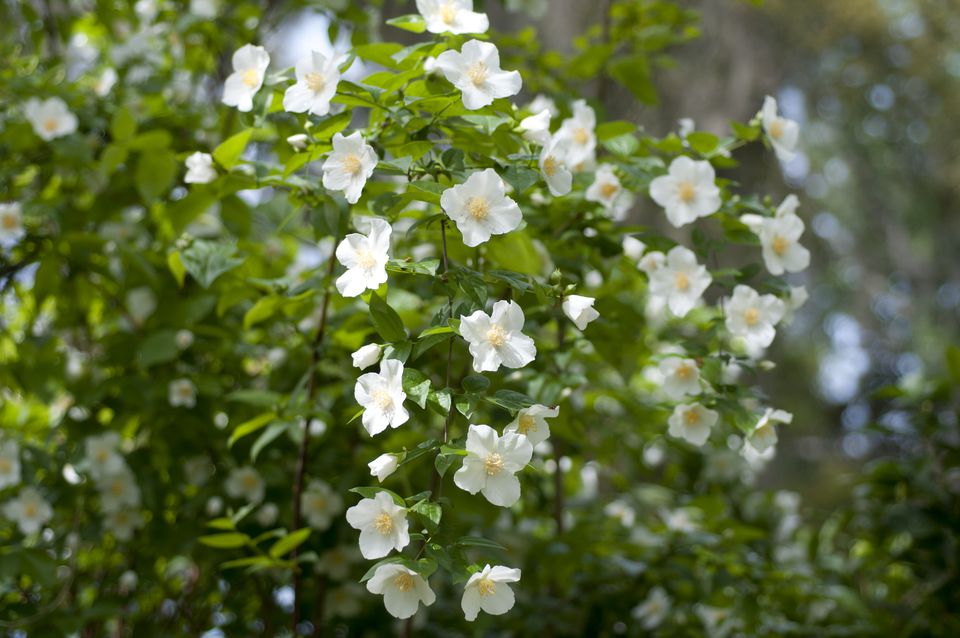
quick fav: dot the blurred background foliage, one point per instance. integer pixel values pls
(869, 366)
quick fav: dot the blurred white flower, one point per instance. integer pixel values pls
(184, 339)
(141, 302)
(536, 128)
(50, 118)
(452, 16)
(9, 463)
(578, 132)
(553, 166)
(102, 456)
(633, 248)
(654, 609)
(579, 310)
(245, 483)
(680, 377)
(104, 84)
(200, 169)
(29, 510)
(753, 316)
(122, 523)
(692, 422)
(680, 280)
(383, 466)
(182, 393)
(783, 133)
(607, 190)
(780, 238)
(119, 491)
(267, 514)
(764, 435)
(11, 223)
(249, 66)
(319, 504)
(475, 70)
(480, 207)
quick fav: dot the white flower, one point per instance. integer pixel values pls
(382, 523)
(680, 280)
(491, 462)
(480, 207)
(753, 316)
(141, 302)
(680, 377)
(579, 310)
(652, 611)
(11, 223)
(381, 396)
(204, 8)
(317, 79)
(50, 118)
(182, 393)
(118, 491)
(105, 82)
(536, 128)
(452, 16)
(779, 236)
(652, 262)
(429, 65)
(632, 247)
(782, 132)
(9, 463)
(122, 523)
(197, 470)
(214, 506)
(128, 582)
(496, 339)
(200, 169)
(682, 519)
(403, 590)
(349, 166)
(319, 504)
(764, 435)
(622, 512)
(488, 590)
(184, 339)
(687, 126)
(541, 102)
(607, 190)
(475, 70)
(102, 456)
(692, 422)
(267, 514)
(579, 132)
(298, 141)
(383, 466)
(553, 166)
(365, 257)
(366, 356)
(245, 483)
(29, 510)
(249, 65)
(531, 422)
(687, 191)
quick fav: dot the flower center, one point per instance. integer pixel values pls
(251, 78)
(684, 372)
(318, 502)
(250, 482)
(493, 464)
(478, 207)
(403, 582)
(50, 124)
(776, 128)
(608, 190)
(366, 259)
(102, 455)
(550, 165)
(497, 336)
(29, 510)
(352, 164)
(751, 316)
(383, 523)
(478, 73)
(5, 465)
(315, 81)
(9, 222)
(527, 424)
(692, 417)
(448, 14)
(686, 192)
(116, 488)
(383, 399)
(185, 391)
(486, 587)
(581, 136)
(780, 245)
(681, 281)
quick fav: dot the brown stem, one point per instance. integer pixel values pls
(305, 443)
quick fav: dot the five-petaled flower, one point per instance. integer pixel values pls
(680, 377)
(680, 280)
(319, 504)
(249, 65)
(608, 191)
(480, 207)
(29, 509)
(11, 223)
(496, 339)
(365, 257)
(182, 393)
(780, 238)
(553, 165)
(50, 118)
(381, 396)
(782, 132)
(382, 523)
(245, 483)
(578, 132)
(491, 463)
(349, 166)
(475, 70)
(692, 422)
(452, 16)
(753, 316)
(200, 169)
(403, 590)
(764, 434)
(688, 191)
(532, 423)
(488, 590)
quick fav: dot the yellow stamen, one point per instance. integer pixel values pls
(448, 14)
(681, 282)
(776, 128)
(382, 398)
(383, 523)
(493, 464)
(684, 372)
(50, 124)
(692, 417)
(497, 336)
(686, 191)
(478, 73)
(366, 259)
(251, 78)
(10, 222)
(352, 164)
(29, 510)
(751, 316)
(403, 582)
(486, 587)
(315, 81)
(526, 424)
(780, 245)
(581, 136)
(608, 190)
(478, 207)
(550, 166)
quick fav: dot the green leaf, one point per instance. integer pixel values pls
(289, 542)
(251, 426)
(515, 252)
(478, 541)
(703, 142)
(267, 437)
(443, 462)
(953, 363)
(326, 129)
(510, 400)
(609, 130)
(430, 511)
(624, 145)
(123, 126)
(392, 560)
(416, 385)
(413, 22)
(155, 174)
(231, 540)
(160, 347)
(262, 310)
(520, 177)
(207, 260)
(229, 152)
(260, 398)
(385, 320)
(475, 383)
(371, 492)
(175, 264)
(633, 72)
